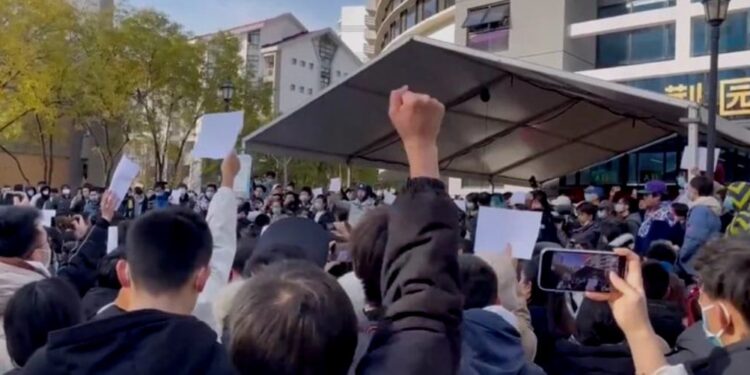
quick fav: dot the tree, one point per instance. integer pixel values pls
(36, 69)
(108, 81)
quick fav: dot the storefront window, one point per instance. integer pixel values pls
(650, 166)
(735, 34)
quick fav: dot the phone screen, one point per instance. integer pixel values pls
(578, 270)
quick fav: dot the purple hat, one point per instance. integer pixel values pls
(655, 187)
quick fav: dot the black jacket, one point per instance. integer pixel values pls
(732, 360)
(141, 342)
(572, 358)
(420, 333)
(666, 320)
(95, 299)
(81, 269)
(692, 344)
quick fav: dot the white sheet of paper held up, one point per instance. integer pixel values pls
(335, 185)
(111, 239)
(218, 134)
(47, 216)
(498, 227)
(126, 171)
(688, 158)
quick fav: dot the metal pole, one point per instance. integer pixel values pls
(226, 105)
(713, 78)
(693, 138)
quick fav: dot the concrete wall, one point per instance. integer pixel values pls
(539, 32)
(352, 29)
(303, 49)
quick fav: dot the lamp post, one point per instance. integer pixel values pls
(226, 92)
(716, 13)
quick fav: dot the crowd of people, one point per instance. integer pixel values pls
(288, 282)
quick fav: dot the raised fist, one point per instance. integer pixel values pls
(416, 117)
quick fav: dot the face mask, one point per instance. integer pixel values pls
(276, 210)
(94, 198)
(66, 191)
(304, 197)
(471, 206)
(590, 197)
(45, 193)
(681, 182)
(318, 206)
(728, 204)
(210, 194)
(713, 338)
(620, 207)
(159, 193)
(30, 193)
(350, 196)
(601, 214)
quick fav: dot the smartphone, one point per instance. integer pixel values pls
(566, 270)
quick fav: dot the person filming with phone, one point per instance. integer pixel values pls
(722, 268)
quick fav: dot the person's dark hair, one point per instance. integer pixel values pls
(34, 311)
(612, 228)
(212, 186)
(367, 246)
(587, 208)
(271, 174)
(530, 270)
(478, 282)
(292, 318)
(541, 196)
(262, 187)
(662, 251)
(261, 221)
(633, 205)
(306, 189)
(704, 186)
(596, 325)
(484, 199)
(18, 231)
(680, 209)
(17, 187)
(722, 266)
(106, 272)
(165, 247)
(122, 232)
(245, 247)
(55, 239)
(655, 280)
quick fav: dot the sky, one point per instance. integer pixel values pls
(207, 16)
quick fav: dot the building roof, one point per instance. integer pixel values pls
(314, 34)
(539, 121)
(256, 25)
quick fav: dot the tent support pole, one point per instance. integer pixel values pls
(693, 137)
(349, 175)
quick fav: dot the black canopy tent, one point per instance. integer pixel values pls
(506, 120)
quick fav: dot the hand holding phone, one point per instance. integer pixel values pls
(566, 270)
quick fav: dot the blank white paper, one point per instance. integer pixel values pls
(498, 227)
(218, 134)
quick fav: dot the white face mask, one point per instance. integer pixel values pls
(66, 191)
(601, 214)
(620, 208)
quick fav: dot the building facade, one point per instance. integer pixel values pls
(352, 29)
(656, 45)
(297, 64)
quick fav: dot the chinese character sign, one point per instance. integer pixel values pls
(734, 97)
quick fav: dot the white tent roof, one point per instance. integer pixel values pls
(538, 122)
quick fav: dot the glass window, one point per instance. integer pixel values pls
(312, 66)
(429, 8)
(735, 34)
(395, 29)
(612, 8)
(449, 3)
(490, 41)
(650, 166)
(253, 38)
(302, 89)
(309, 91)
(411, 17)
(635, 46)
(294, 61)
(488, 28)
(632, 169)
(302, 63)
(293, 87)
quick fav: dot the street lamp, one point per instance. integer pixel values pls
(226, 92)
(716, 13)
